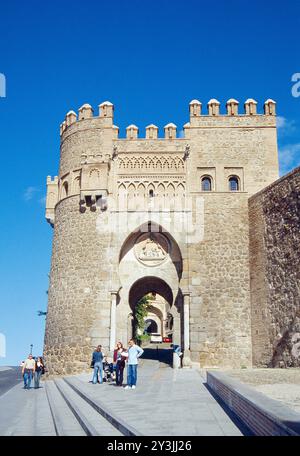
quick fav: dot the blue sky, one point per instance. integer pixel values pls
(150, 58)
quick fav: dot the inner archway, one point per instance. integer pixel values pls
(147, 285)
(159, 297)
(151, 325)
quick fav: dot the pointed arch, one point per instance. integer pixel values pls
(151, 190)
(94, 178)
(151, 164)
(161, 195)
(180, 197)
(141, 195)
(122, 197)
(131, 197)
(76, 184)
(159, 164)
(170, 190)
(65, 189)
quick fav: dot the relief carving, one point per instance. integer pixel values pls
(151, 249)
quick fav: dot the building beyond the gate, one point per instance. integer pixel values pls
(199, 219)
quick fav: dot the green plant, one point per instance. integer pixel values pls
(143, 339)
(141, 311)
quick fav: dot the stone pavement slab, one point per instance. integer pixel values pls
(25, 412)
(166, 402)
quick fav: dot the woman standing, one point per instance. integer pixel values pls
(97, 362)
(119, 359)
(39, 370)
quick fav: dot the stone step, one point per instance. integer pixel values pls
(64, 419)
(93, 423)
(118, 423)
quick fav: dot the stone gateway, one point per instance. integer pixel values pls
(199, 221)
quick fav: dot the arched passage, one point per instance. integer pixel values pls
(160, 305)
(151, 325)
(149, 285)
(150, 261)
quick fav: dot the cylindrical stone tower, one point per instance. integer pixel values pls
(81, 276)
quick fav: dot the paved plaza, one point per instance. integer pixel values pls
(166, 402)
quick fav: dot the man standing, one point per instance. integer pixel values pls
(28, 371)
(134, 352)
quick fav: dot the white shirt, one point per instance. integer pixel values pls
(29, 364)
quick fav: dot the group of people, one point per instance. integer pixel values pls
(32, 369)
(121, 357)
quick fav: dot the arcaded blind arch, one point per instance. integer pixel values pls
(122, 197)
(170, 197)
(141, 191)
(151, 191)
(151, 163)
(131, 197)
(180, 198)
(161, 195)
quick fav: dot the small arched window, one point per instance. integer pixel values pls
(151, 194)
(234, 184)
(206, 184)
(65, 190)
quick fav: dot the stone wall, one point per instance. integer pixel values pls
(274, 217)
(79, 291)
(219, 283)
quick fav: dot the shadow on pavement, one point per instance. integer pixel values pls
(162, 354)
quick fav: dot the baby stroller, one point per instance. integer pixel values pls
(109, 372)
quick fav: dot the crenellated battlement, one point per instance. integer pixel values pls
(197, 117)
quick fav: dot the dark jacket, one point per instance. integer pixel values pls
(123, 358)
(40, 368)
(97, 357)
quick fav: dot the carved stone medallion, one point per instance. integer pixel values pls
(151, 249)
